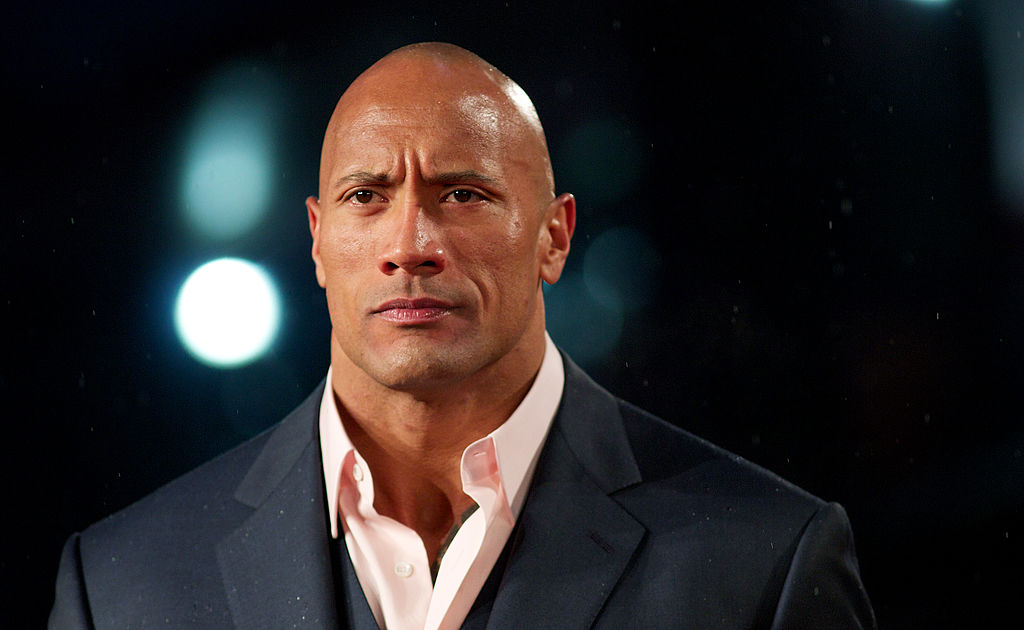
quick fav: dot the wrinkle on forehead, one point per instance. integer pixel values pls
(477, 131)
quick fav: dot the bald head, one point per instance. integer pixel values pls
(443, 81)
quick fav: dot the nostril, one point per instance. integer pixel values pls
(391, 266)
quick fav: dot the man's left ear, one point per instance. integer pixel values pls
(560, 222)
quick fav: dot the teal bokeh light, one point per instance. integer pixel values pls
(583, 326)
(227, 180)
(622, 269)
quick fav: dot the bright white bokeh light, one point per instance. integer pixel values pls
(227, 178)
(227, 313)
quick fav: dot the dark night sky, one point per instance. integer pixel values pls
(834, 287)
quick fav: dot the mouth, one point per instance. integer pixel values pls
(413, 311)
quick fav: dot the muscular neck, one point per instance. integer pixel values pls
(413, 441)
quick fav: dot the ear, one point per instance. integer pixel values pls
(560, 221)
(313, 209)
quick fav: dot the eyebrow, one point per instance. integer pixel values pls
(451, 177)
(362, 177)
(454, 177)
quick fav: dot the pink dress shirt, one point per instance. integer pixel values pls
(390, 559)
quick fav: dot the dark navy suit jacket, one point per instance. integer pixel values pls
(629, 523)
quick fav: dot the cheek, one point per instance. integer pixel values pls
(345, 253)
(502, 263)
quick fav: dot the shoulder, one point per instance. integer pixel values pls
(129, 568)
(202, 493)
(168, 538)
(196, 509)
(599, 426)
(667, 453)
(715, 485)
(159, 560)
(739, 545)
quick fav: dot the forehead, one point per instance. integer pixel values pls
(380, 131)
(473, 115)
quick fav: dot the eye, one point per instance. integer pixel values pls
(362, 196)
(463, 195)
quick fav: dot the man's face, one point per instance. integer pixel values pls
(431, 234)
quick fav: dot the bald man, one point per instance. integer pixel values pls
(455, 470)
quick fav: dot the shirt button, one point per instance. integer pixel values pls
(403, 569)
(357, 472)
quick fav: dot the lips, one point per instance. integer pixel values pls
(413, 311)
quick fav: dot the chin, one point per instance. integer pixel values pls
(414, 366)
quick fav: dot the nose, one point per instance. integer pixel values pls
(413, 246)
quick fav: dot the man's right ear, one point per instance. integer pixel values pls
(313, 209)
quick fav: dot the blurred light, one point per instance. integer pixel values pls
(227, 180)
(1004, 64)
(581, 325)
(227, 312)
(604, 158)
(622, 269)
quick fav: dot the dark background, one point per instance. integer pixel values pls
(825, 275)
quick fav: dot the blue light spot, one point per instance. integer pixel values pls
(584, 327)
(227, 180)
(622, 269)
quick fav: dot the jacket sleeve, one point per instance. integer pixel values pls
(71, 606)
(823, 588)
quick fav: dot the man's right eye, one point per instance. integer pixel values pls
(362, 196)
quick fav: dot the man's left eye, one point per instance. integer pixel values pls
(462, 196)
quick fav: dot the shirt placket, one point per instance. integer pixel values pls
(396, 556)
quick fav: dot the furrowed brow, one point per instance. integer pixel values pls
(361, 177)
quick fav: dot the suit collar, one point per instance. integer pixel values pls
(286, 444)
(573, 541)
(276, 565)
(591, 423)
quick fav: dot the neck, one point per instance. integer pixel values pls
(413, 440)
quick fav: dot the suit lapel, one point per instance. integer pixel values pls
(573, 540)
(276, 566)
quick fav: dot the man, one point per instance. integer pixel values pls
(455, 470)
